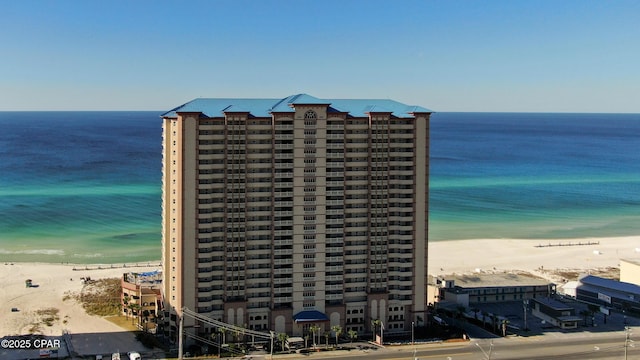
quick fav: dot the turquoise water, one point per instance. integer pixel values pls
(534, 176)
(84, 187)
(80, 187)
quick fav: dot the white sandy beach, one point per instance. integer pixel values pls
(464, 256)
(446, 257)
(90, 334)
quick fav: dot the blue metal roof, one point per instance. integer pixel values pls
(310, 316)
(613, 285)
(216, 107)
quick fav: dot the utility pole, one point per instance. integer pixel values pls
(627, 331)
(180, 335)
(412, 327)
(273, 335)
(525, 305)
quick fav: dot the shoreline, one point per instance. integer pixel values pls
(506, 251)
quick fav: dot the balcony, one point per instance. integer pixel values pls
(280, 262)
(286, 175)
(282, 184)
(279, 281)
(281, 127)
(283, 223)
(283, 271)
(283, 156)
(280, 252)
(282, 299)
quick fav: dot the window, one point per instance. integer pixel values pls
(310, 114)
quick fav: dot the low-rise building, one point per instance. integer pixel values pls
(608, 293)
(555, 313)
(492, 288)
(142, 297)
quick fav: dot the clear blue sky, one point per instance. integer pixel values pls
(510, 55)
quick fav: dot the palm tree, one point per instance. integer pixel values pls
(475, 313)
(125, 301)
(337, 329)
(135, 307)
(223, 332)
(585, 313)
(504, 327)
(494, 322)
(484, 319)
(145, 318)
(314, 329)
(214, 337)
(352, 334)
(593, 309)
(282, 337)
(374, 324)
(237, 333)
(460, 314)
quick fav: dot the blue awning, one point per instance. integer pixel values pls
(149, 273)
(310, 316)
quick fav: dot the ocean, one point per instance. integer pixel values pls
(85, 187)
(80, 187)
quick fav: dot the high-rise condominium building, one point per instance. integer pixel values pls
(283, 213)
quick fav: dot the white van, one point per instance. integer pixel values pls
(134, 355)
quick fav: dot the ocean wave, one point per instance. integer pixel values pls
(80, 190)
(32, 252)
(95, 255)
(437, 183)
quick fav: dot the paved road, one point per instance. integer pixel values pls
(576, 346)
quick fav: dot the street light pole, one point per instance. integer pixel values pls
(412, 327)
(525, 305)
(627, 331)
(180, 335)
(273, 335)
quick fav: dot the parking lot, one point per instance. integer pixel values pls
(515, 314)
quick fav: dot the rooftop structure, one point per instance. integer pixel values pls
(483, 280)
(555, 312)
(608, 293)
(494, 287)
(266, 107)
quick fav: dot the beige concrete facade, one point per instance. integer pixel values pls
(630, 271)
(141, 298)
(265, 217)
